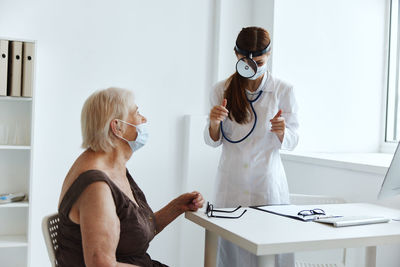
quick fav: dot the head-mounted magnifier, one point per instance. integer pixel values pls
(246, 66)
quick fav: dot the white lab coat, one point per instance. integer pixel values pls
(251, 172)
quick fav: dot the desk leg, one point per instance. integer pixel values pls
(266, 261)
(210, 250)
(370, 257)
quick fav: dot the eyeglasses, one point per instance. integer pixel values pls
(311, 212)
(210, 212)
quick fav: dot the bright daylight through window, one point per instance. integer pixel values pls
(392, 108)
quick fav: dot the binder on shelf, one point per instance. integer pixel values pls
(15, 69)
(3, 66)
(27, 68)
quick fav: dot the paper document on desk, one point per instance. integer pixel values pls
(291, 211)
(353, 220)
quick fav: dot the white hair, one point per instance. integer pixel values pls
(97, 113)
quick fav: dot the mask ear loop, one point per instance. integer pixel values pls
(119, 129)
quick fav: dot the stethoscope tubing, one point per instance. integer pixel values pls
(252, 129)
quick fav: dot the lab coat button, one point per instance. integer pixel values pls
(245, 165)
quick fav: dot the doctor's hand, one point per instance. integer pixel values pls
(278, 125)
(218, 113)
(190, 201)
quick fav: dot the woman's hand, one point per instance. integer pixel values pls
(278, 125)
(185, 202)
(190, 201)
(218, 113)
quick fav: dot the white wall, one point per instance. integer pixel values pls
(235, 15)
(159, 49)
(333, 52)
(263, 16)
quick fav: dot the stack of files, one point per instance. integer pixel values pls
(16, 68)
(11, 197)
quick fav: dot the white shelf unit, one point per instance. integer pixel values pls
(11, 241)
(21, 204)
(8, 147)
(15, 99)
(16, 135)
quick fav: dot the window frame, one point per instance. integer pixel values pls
(392, 80)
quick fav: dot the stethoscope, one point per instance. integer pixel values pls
(252, 128)
(247, 68)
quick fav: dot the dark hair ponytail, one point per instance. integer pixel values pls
(250, 39)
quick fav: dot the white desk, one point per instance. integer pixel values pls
(266, 234)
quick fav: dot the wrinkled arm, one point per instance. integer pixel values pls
(189, 201)
(99, 225)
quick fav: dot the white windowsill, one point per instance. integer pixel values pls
(363, 162)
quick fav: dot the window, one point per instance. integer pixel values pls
(392, 133)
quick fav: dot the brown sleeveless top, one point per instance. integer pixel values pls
(137, 224)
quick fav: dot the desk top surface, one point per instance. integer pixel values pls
(264, 233)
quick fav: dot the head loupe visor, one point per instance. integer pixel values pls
(246, 66)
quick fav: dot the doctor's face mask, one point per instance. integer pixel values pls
(142, 136)
(260, 71)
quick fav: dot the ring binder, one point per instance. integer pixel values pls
(3, 66)
(15, 60)
(27, 68)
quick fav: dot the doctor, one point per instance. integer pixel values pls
(253, 116)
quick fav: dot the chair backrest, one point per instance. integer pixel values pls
(50, 233)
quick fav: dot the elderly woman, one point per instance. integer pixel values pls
(104, 216)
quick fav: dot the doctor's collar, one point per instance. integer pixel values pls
(263, 85)
(252, 54)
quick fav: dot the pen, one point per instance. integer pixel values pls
(327, 217)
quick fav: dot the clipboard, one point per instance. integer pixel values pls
(291, 211)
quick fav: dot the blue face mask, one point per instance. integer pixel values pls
(142, 136)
